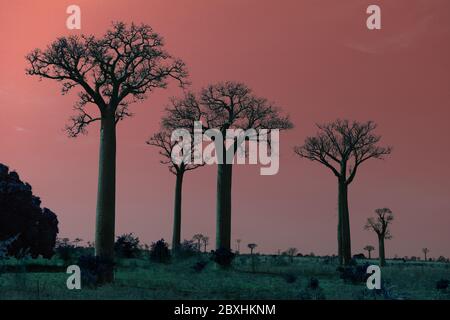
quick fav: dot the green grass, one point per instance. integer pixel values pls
(142, 279)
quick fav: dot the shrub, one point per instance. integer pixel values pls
(313, 284)
(200, 266)
(289, 277)
(187, 249)
(65, 250)
(223, 257)
(313, 291)
(159, 252)
(127, 246)
(94, 270)
(354, 274)
(442, 284)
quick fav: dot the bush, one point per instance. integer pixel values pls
(289, 277)
(354, 274)
(94, 270)
(127, 246)
(65, 250)
(313, 291)
(159, 252)
(187, 249)
(223, 257)
(442, 284)
(200, 266)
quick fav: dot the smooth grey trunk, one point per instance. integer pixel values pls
(223, 206)
(344, 225)
(106, 196)
(176, 237)
(381, 251)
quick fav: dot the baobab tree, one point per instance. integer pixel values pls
(252, 247)
(163, 141)
(291, 252)
(205, 241)
(343, 146)
(369, 248)
(425, 252)
(224, 106)
(238, 245)
(120, 68)
(199, 238)
(380, 224)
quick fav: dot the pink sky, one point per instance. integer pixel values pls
(316, 59)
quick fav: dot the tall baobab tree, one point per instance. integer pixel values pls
(223, 106)
(343, 146)
(380, 224)
(199, 238)
(122, 67)
(369, 248)
(425, 252)
(163, 141)
(205, 241)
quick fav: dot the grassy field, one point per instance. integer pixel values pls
(274, 278)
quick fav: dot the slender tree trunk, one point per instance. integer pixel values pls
(344, 225)
(369, 255)
(176, 236)
(106, 196)
(223, 207)
(381, 250)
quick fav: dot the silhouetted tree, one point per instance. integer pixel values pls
(205, 241)
(380, 224)
(199, 238)
(163, 141)
(227, 105)
(342, 147)
(425, 252)
(369, 248)
(122, 67)
(252, 247)
(238, 243)
(291, 252)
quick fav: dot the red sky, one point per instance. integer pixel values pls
(316, 59)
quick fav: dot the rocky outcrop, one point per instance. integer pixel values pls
(21, 215)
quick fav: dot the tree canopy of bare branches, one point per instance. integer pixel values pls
(110, 72)
(342, 147)
(380, 224)
(223, 106)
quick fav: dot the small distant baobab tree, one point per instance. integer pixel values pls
(199, 238)
(122, 67)
(224, 106)
(425, 252)
(252, 247)
(163, 141)
(291, 252)
(238, 245)
(205, 241)
(380, 224)
(343, 146)
(369, 248)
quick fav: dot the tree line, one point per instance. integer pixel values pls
(129, 63)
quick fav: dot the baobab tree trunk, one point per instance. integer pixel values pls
(176, 237)
(344, 242)
(106, 196)
(223, 206)
(381, 250)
